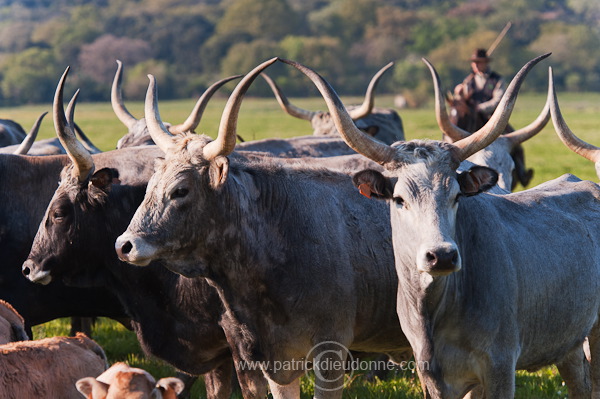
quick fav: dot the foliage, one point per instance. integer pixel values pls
(267, 19)
(198, 42)
(30, 76)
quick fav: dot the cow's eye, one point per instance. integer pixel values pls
(399, 201)
(59, 215)
(179, 192)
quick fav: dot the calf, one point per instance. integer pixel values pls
(12, 325)
(121, 381)
(49, 367)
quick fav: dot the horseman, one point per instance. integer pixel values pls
(483, 87)
(476, 98)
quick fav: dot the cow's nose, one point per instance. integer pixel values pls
(123, 248)
(26, 269)
(443, 260)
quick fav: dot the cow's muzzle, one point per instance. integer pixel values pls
(134, 250)
(35, 274)
(440, 261)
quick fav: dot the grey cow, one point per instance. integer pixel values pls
(295, 267)
(53, 146)
(487, 283)
(384, 124)
(12, 135)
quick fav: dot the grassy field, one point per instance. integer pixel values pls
(262, 118)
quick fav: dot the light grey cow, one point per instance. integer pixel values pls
(574, 143)
(487, 283)
(295, 267)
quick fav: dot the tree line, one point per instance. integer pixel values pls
(189, 44)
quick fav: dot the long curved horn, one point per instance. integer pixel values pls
(441, 114)
(116, 99)
(26, 144)
(85, 141)
(192, 122)
(354, 137)
(574, 143)
(83, 163)
(525, 133)
(285, 104)
(367, 106)
(159, 133)
(499, 119)
(224, 144)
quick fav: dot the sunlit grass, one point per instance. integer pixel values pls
(260, 118)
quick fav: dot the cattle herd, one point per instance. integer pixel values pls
(251, 263)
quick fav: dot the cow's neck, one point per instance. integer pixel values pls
(264, 229)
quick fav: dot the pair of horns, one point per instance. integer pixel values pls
(454, 133)
(382, 153)
(224, 144)
(365, 108)
(192, 121)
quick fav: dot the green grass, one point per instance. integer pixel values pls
(260, 118)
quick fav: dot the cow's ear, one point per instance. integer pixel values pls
(92, 388)
(477, 180)
(170, 384)
(372, 183)
(104, 178)
(371, 130)
(218, 171)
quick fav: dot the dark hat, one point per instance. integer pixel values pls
(480, 54)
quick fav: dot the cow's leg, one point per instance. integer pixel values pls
(499, 380)
(188, 380)
(523, 175)
(218, 381)
(290, 391)
(329, 369)
(575, 370)
(253, 383)
(82, 324)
